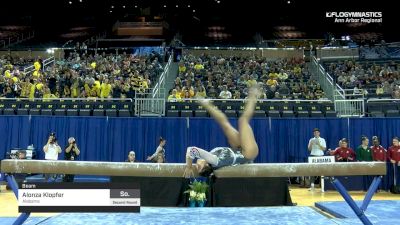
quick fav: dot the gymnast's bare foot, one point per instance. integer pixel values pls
(204, 102)
(251, 102)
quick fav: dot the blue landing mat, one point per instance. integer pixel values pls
(379, 212)
(29, 221)
(197, 216)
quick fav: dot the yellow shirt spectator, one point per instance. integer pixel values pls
(96, 89)
(201, 94)
(271, 82)
(297, 70)
(198, 66)
(174, 96)
(74, 92)
(251, 83)
(144, 84)
(105, 90)
(182, 69)
(32, 91)
(36, 74)
(186, 89)
(25, 89)
(7, 74)
(273, 75)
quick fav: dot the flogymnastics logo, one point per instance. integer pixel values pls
(355, 17)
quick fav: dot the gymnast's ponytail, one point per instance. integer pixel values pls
(207, 171)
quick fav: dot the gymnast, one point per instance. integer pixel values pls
(243, 147)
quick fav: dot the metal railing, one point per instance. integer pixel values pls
(12, 40)
(147, 105)
(378, 100)
(46, 62)
(161, 81)
(258, 100)
(322, 77)
(347, 103)
(350, 108)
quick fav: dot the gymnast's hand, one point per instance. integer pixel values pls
(189, 172)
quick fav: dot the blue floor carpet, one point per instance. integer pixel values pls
(196, 216)
(379, 212)
(29, 221)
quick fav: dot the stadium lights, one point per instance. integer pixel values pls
(194, 10)
(165, 6)
(70, 2)
(188, 6)
(135, 6)
(123, 6)
(50, 50)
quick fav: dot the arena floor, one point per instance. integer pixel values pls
(253, 215)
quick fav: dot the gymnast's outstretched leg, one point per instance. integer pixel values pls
(248, 142)
(230, 132)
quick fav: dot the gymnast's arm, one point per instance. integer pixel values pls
(189, 166)
(158, 150)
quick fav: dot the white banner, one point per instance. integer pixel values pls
(321, 159)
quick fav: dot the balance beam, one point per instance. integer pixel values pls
(303, 169)
(177, 169)
(11, 166)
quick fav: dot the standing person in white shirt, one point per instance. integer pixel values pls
(225, 94)
(316, 146)
(51, 150)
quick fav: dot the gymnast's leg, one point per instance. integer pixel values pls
(230, 132)
(247, 139)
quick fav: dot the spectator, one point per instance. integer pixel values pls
(201, 92)
(272, 82)
(71, 153)
(131, 157)
(379, 90)
(270, 93)
(225, 93)
(236, 95)
(68, 74)
(51, 150)
(343, 153)
(394, 152)
(364, 152)
(174, 96)
(316, 146)
(379, 153)
(396, 94)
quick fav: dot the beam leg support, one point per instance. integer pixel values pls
(350, 201)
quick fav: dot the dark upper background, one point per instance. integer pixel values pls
(238, 21)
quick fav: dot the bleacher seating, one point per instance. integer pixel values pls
(67, 108)
(263, 109)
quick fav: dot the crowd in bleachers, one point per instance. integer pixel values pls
(371, 78)
(231, 77)
(81, 76)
